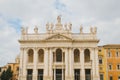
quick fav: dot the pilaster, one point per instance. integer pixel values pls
(71, 76)
(93, 63)
(35, 58)
(66, 64)
(82, 76)
(50, 63)
(21, 63)
(97, 65)
(25, 57)
(46, 64)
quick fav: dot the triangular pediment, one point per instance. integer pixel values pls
(58, 37)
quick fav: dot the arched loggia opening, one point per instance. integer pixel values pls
(30, 55)
(41, 56)
(87, 55)
(76, 55)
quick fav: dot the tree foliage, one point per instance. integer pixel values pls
(7, 75)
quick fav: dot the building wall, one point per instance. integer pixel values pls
(14, 68)
(58, 36)
(103, 66)
(112, 60)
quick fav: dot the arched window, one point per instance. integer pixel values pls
(41, 55)
(87, 55)
(30, 56)
(76, 55)
(58, 55)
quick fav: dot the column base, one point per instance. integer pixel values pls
(22, 78)
(82, 77)
(69, 78)
(47, 78)
(34, 77)
(96, 78)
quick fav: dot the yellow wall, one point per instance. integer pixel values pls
(102, 67)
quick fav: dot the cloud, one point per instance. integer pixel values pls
(8, 40)
(16, 13)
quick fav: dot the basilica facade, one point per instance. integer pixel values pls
(58, 54)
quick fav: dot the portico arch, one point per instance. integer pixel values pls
(58, 55)
(41, 55)
(30, 55)
(87, 55)
(76, 55)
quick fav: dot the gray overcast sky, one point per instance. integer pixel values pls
(105, 14)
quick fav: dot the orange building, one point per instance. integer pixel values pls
(14, 67)
(112, 53)
(102, 63)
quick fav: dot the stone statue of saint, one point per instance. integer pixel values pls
(36, 30)
(70, 26)
(81, 29)
(22, 30)
(59, 19)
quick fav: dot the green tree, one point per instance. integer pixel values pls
(3, 75)
(7, 75)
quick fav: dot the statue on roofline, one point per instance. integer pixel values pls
(24, 30)
(70, 26)
(81, 29)
(59, 19)
(36, 30)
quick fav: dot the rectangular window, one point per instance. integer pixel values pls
(29, 74)
(40, 74)
(117, 54)
(118, 66)
(111, 78)
(101, 77)
(110, 67)
(77, 74)
(109, 54)
(99, 50)
(17, 69)
(100, 60)
(118, 77)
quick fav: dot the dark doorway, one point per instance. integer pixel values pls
(77, 74)
(58, 74)
(40, 74)
(29, 74)
(87, 74)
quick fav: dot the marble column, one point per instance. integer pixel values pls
(21, 63)
(71, 74)
(92, 54)
(96, 65)
(82, 64)
(50, 63)
(25, 57)
(35, 58)
(66, 64)
(46, 64)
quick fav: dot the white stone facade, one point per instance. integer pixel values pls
(59, 54)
